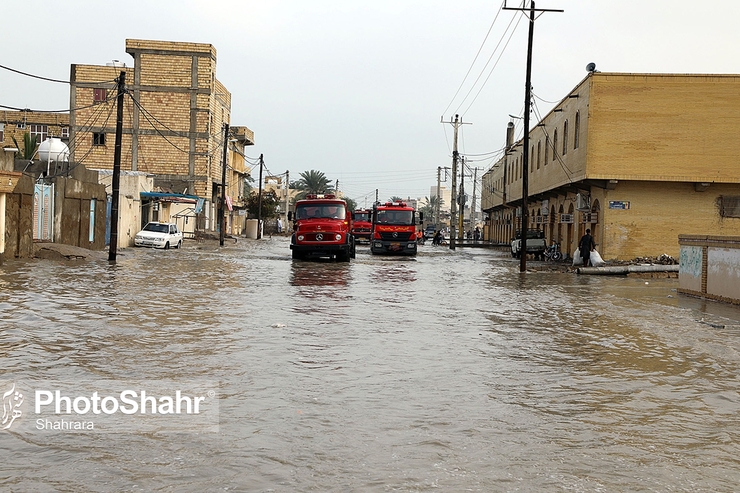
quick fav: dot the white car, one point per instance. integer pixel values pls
(159, 235)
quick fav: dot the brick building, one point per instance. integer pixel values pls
(174, 114)
(637, 158)
(13, 124)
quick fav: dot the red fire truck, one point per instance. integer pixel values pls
(394, 229)
(362, 227)
(322, 227)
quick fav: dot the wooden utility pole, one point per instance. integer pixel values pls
(287, 197)
(259, 202)
(222, 204)
(116, 185)
(525, 151)
(461, 198)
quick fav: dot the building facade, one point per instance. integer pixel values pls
(637, 158)
(175, 112)
(42, 125)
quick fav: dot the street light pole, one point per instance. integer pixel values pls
(222, 205)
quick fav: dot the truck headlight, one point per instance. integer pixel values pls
(337, 237)
(300, 237)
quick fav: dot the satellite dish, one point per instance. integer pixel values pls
(591, 67)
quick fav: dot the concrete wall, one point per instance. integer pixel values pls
(19, 219)
(710, 267)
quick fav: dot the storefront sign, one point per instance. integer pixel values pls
(619, 204)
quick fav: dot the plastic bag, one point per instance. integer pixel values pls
(596, 259)
(577, 259)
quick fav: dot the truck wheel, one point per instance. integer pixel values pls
(297, 255)
(343, 257)
(352, 249)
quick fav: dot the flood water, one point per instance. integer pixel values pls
(449, 371)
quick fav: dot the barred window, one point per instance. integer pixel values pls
(729, 206)
(99, 95)
(98, 139)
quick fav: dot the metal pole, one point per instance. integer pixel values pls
(436, 208)
(461, 232)
(116, 185)
(287, 197)
(222, 204)
(259, 203)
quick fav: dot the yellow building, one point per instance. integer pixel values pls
(637, 158)
(14, 124)
(173, 123)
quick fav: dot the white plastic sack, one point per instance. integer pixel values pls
(596, 259)
(577, 259)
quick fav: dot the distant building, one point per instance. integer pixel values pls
(637, 158)
(13, 124)
(174, 116)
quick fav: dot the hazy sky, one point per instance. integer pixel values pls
(357, 89)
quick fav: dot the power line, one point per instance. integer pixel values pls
(47, 78)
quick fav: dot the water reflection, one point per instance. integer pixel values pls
(450, 371)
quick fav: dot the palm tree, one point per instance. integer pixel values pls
(29, 146)
(312, 182)
(430, 206)
(396, 198)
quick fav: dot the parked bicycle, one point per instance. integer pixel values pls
(553, 252)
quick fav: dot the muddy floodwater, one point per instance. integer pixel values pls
(450, 371)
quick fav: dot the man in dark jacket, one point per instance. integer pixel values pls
(586, 246)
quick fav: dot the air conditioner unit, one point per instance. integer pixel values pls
(583, 202)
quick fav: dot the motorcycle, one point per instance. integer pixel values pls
(553, 252)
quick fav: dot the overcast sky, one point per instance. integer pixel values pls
(357, 89)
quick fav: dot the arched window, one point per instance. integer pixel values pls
(577, 130)
(539, 153)
(565, 137)
(554, 144)
(531, 160)
(547, 149)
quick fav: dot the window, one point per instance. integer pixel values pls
(547, 149)
(729, 206)
(98, 139)
(565, 137)
(2, 132)
(99, 95)
(41, 132)
(554, 144)
(65, 132)
(539, 153)
(531, 160)
(577, 130)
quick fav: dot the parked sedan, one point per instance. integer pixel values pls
(159, 235)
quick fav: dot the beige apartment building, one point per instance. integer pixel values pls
(175, 110)
(638, 158)
(42, 125)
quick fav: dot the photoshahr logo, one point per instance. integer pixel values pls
(12, 401)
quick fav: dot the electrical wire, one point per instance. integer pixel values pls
(47, 78)
(475, 59)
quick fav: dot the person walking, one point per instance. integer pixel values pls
(279, 225)
(586, 246)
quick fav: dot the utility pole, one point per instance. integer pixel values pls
(473, 212)
(336, 188)
(287, 196)
(461, 198)
(453, 207)
(222, 204)
(525, 151)
(259, 203)
(116, 185)
(436, 208)
(376, 195)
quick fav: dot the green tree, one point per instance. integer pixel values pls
(396, 198)
(269, 204)
(351, 204)
(312, 182)
(29, 146)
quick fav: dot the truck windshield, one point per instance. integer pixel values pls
(404, 218)
(362, 216)
(330, 211)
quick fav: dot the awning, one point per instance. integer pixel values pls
(170, 197)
